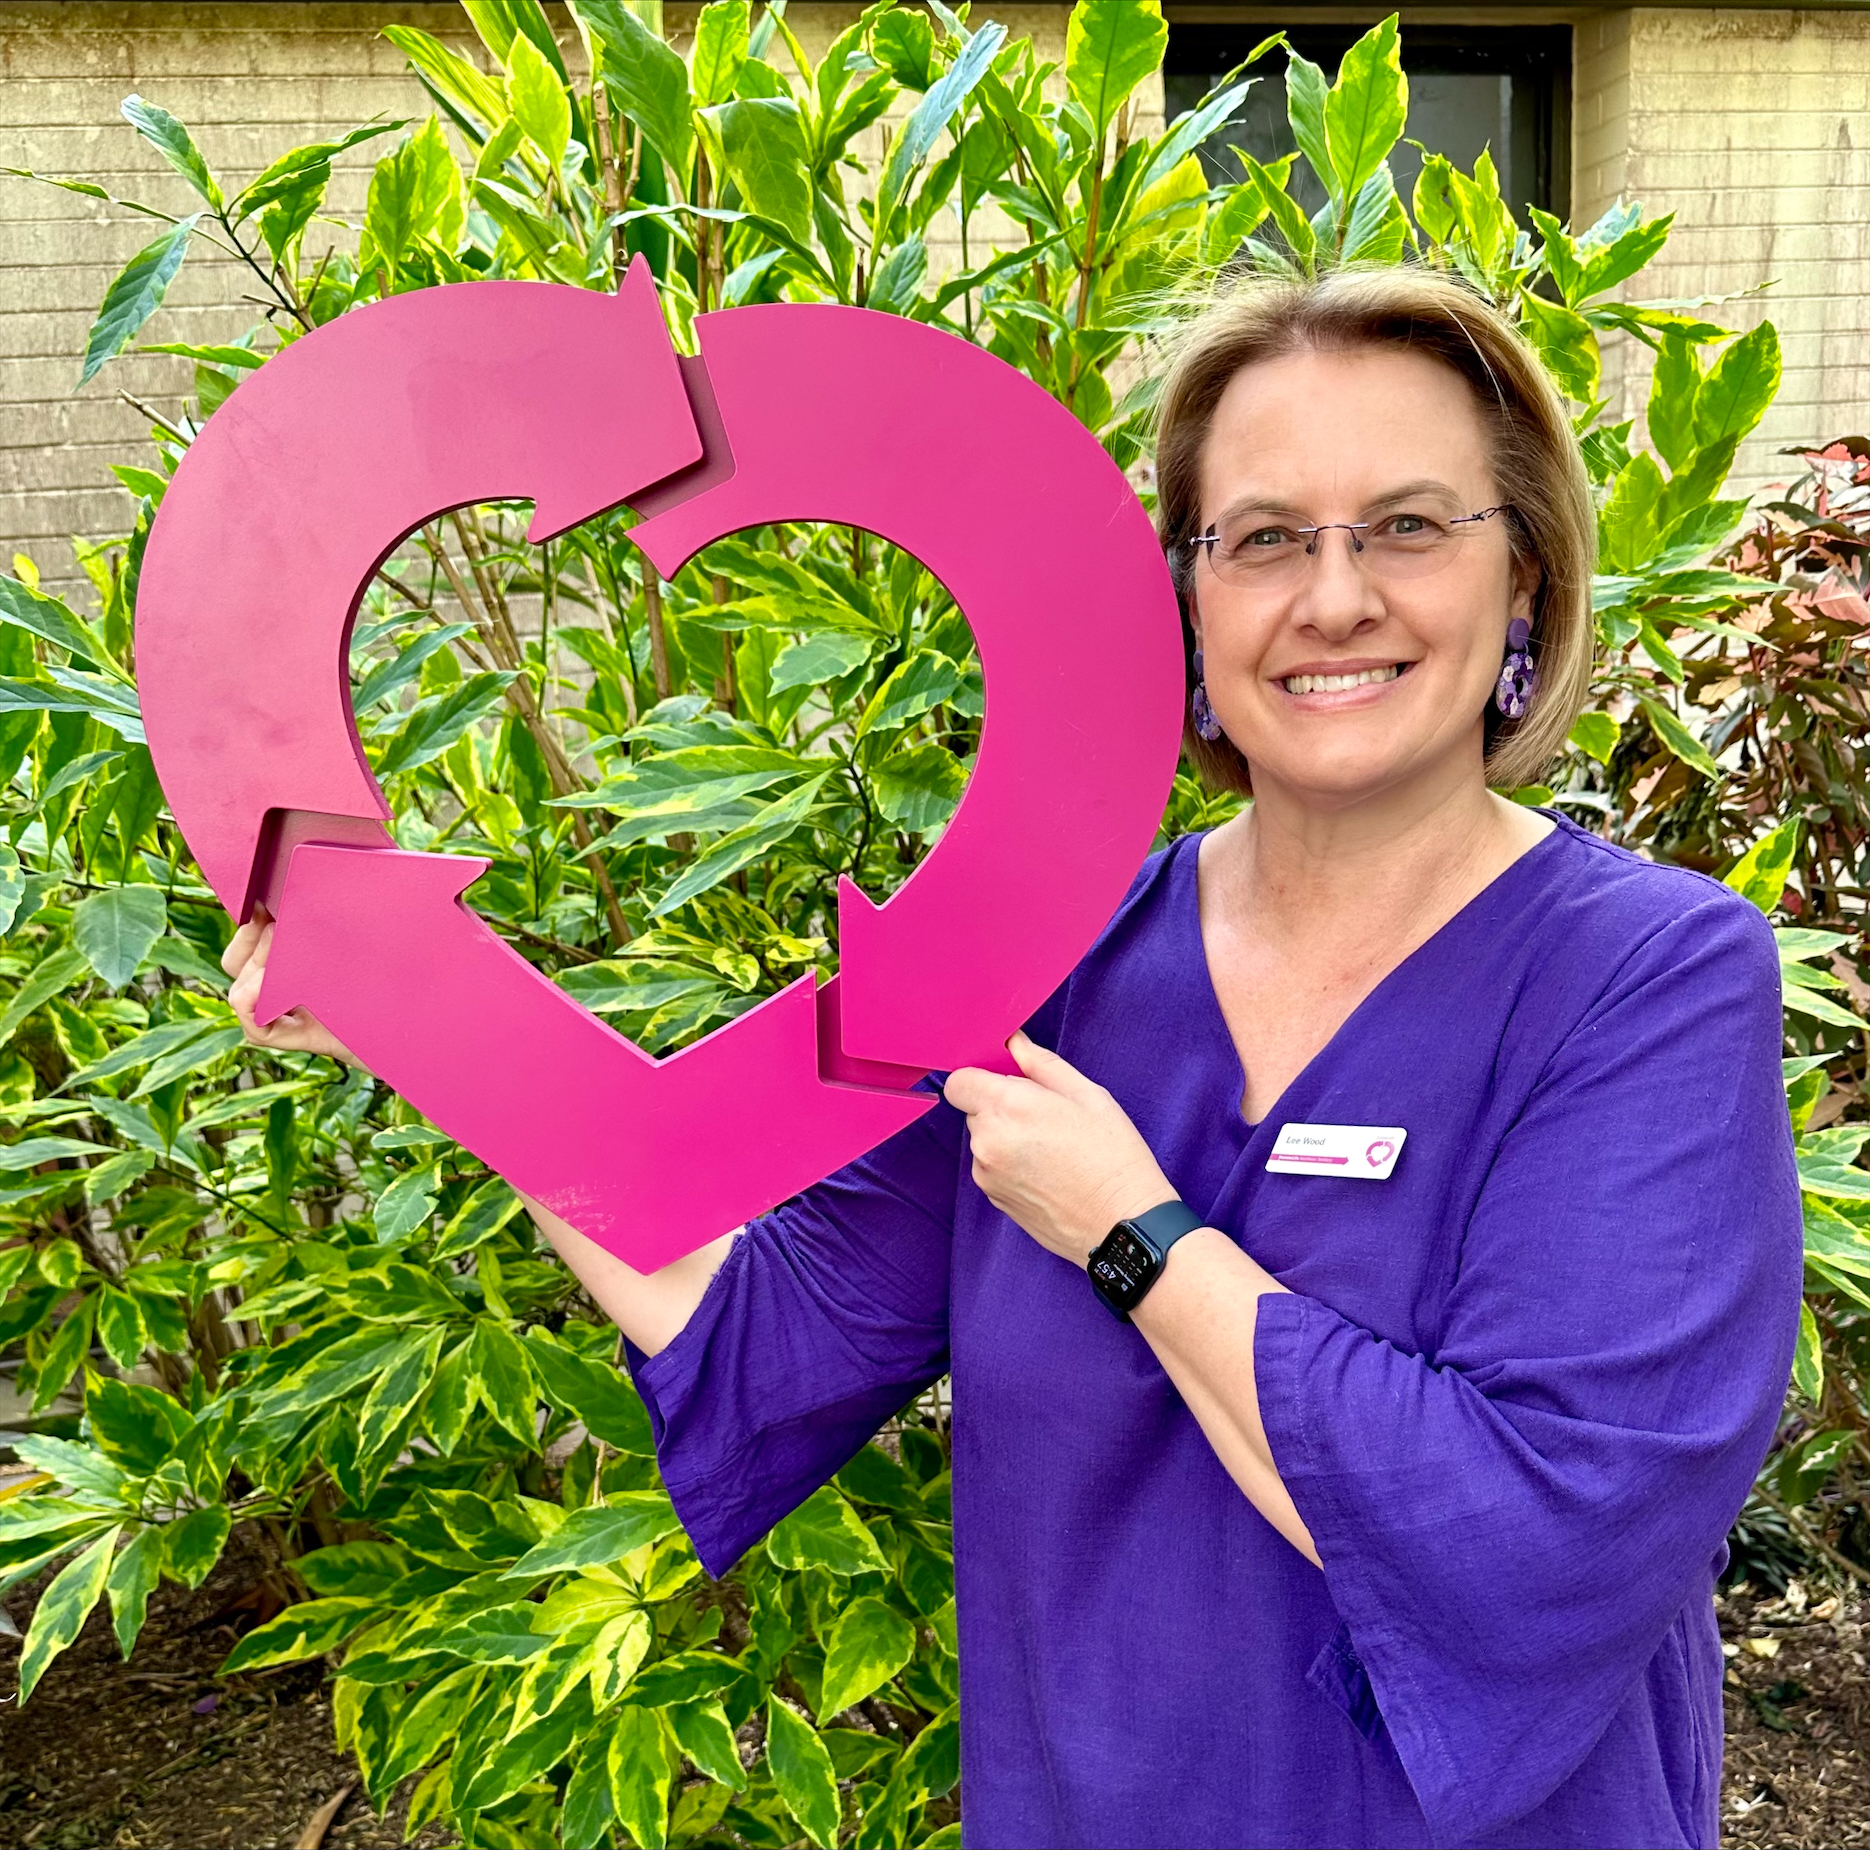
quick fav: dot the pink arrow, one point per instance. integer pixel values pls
(649, 1158)
(877, 422)
(304, 481)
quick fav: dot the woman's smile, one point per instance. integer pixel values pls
(1331, 687)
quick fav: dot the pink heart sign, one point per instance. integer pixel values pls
(326, 458)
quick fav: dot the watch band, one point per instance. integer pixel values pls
(1129, 1259)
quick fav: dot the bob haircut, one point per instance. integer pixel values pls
(1535, 456)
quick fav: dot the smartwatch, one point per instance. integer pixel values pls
(1129, 1259)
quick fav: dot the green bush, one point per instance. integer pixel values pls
(248, 1288)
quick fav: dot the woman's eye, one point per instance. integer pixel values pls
(1410, 526)
(1262, 539)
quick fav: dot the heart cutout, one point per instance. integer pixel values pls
(482, 391)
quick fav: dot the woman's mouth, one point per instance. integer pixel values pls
(1339, 683)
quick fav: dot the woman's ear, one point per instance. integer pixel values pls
(1528, 575)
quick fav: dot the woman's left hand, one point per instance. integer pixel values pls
(1054, 1151)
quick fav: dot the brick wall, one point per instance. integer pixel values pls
(1754, 128)
(250, 80)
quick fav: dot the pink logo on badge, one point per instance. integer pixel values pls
(1379, 1153)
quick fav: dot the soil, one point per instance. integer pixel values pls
(1798, 1720)
(161, 1754)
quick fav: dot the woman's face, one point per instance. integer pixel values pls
(1375, 435)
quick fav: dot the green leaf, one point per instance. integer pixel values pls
(523, 1758)
(1595, 734)
(765, 145)
(550, 1679)
(32, 1151)
(1762, 872)
(396, 1390)
(134, 1426)
(75, 1466)
(64, 1354)
(647, 80)
(703, 1732)
(600, 1535)
(478, 1218)
(1674, 386)
(642, 1775)
(801, 1766)
(504, 1378)
(133, 1578)
(869, 1643)
(407, 1203)
(415, 198)
(361, 1569)
(932, 1765)
(299, 167)
(436, 723)
(1307, 96)
(52, 620)
(195, 1057)
(63, 1608)
(537, 96)
(1611, 264)
(192, 1544)
(388, 677)
(1566, 342)
(915, 140)
(174, 143)
(1678, 739)
(335, 1369)
(120, 1326)
(134, 295)
(918, 789)
(721, 32)
(824, 1531)
(923, 681)
(50, 977)
(115, 929)
(1808, 1360)
(309, 1629)
(617, 1651)
(1802, 1001)
(775, 822)
(584, 1818)
(1110, 47)
(598, 1395)
(819, 659)
(1738, 388)
(1366, 108)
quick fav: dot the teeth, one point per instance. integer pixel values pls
(1336, 683)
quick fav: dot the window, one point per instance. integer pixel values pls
(1470, 87)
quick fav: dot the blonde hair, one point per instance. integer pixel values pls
(1535, 456)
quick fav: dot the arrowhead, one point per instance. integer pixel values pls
(651, 1159)
(338, 907)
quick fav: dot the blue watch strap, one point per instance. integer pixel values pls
(1165, 1225)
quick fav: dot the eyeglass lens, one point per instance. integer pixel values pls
(1250, 549)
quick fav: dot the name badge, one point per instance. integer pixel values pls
(1365, 1150)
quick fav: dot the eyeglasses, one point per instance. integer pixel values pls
(1251, 550)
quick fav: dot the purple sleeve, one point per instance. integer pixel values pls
(1510, 1527)
(827, 1316)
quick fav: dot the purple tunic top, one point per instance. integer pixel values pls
(1518, 1393)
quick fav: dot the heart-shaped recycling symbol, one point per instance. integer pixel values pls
(349, 439)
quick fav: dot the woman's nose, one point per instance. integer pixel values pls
(1338, 595)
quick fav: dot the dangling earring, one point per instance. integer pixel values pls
(1519, 674)
(1206, 725)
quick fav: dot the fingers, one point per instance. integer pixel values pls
(251, 943)
(1045, 1068)
(973, 1089)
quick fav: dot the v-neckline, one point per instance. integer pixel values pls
(1188, 856)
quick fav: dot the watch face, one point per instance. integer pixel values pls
(1122, 1267)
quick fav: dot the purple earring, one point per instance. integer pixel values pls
(1519, 675)
(1206, 725)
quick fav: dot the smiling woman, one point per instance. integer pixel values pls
(1368, 1308)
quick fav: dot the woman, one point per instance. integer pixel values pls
(1387, 1508)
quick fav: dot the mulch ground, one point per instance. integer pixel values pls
(1798, 1721)
(161, 1754)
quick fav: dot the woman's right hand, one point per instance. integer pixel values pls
(297, 1030)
